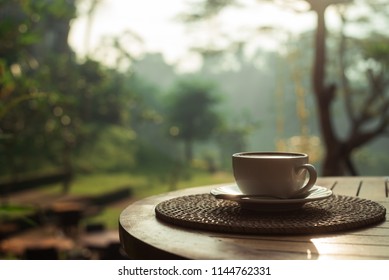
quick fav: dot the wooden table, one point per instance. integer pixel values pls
(144, 237)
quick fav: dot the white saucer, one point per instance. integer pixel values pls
(232, 192)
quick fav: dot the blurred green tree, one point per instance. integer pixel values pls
(24, 104)
(53, 108)
(192, 112)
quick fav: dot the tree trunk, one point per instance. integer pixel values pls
(337, 159)
(324, 96)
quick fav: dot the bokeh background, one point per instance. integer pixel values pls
(103, 102)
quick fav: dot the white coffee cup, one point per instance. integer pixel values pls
(274, 174)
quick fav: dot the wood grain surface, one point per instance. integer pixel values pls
(144, 237)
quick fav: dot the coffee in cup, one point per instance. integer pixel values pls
(274, 174)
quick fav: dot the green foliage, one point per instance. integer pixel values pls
(113, 150)
(191, 114)
(54, 110)
(13, 210)
(377, 49)
(192, 109)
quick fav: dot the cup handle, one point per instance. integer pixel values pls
(312, 178)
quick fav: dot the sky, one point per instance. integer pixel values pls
(152, 20)
(155, 21)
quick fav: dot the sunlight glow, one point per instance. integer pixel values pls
(325, 247)
(155, 22)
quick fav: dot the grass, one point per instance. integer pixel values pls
(11, 211)
(109, 217)
(142, 185)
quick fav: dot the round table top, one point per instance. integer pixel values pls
(144, 236)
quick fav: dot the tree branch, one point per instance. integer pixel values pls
(376, 96)
(360, 138)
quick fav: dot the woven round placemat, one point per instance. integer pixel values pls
(205, 212)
